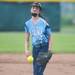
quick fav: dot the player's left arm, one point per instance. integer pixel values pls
(50, 43)
(48, 28)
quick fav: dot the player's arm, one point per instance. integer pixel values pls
(26, 41)
(48, 28)
(27, 52)
(26, 44)
(50, 43)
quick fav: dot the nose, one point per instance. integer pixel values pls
(34, 9)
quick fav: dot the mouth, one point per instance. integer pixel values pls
(34, 14)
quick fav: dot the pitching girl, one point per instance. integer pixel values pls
(40, 33)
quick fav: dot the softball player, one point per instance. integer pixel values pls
(40, 33)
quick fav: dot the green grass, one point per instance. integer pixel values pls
(63, 42)
(11, 42)
(69, 29)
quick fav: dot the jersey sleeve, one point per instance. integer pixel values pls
(48, 29)
(26, 28)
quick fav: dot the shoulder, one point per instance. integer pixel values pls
(44, 21)
(27, 22)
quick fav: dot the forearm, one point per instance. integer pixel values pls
(26, 41)
(27, 52)
(26, 45)
(50, 44)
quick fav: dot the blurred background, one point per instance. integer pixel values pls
(13, 15)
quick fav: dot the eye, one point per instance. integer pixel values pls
(36, 8)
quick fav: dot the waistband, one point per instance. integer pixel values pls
(40, 45)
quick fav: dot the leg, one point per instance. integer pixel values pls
(37, 67)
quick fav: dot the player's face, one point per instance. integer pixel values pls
(35, 10)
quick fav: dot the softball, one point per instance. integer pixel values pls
(30, 59)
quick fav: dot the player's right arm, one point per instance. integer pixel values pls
(27, 52)
(27, 36)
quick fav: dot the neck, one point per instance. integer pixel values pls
(35, 18)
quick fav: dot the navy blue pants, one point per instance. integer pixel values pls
(38, 68)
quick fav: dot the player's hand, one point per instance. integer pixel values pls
(27, 53)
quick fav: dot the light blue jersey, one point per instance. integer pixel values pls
(39, 32)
